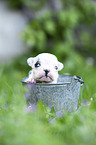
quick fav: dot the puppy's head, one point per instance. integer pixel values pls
(45, 67)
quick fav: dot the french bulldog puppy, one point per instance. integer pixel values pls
(45, 67)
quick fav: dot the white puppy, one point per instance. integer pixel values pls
(45, 67)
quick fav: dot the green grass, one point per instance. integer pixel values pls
(17, 127)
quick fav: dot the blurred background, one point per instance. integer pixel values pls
(66, 28)
(63, 27)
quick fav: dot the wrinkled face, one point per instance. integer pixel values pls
(45, 67)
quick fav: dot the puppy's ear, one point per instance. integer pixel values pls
(60, 66)
(30, 61)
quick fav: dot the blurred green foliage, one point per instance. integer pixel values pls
(17, 126)
(52, 33)
(32, 4)
(15, 4)
(64, 32)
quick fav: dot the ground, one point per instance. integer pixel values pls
(19, 127)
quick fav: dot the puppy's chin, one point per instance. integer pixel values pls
(44, 79)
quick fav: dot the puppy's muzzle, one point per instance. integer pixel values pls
(46, 72)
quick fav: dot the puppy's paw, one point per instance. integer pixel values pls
(30, 80)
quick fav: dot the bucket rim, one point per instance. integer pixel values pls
(78, 78)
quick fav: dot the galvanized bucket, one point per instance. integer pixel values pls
(63, 95)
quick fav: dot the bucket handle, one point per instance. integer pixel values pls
(79, 80)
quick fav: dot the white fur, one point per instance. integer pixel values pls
(47, 61)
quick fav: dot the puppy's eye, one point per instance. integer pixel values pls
(56, 67)
(37, 64)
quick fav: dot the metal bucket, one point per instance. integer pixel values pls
(63, 95)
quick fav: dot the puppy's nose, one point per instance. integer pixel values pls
(46, 72)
